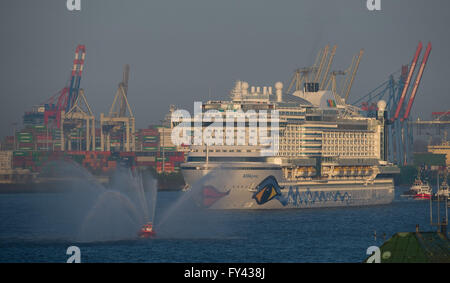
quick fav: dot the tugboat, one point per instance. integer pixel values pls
(424, 192)
(417, 187)
(147, 231)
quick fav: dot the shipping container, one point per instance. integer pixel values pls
(149, 148)
(145, 158)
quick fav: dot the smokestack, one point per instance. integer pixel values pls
(279, 91)
(244, 86)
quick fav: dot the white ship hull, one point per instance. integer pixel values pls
(230, 187)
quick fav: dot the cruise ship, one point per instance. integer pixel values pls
(328, 154)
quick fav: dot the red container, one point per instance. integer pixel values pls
(145, 163)
(25, 144)
(124, 153)
(150, 144)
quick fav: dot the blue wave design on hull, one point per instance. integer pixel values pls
(269, 189)
(297, 198)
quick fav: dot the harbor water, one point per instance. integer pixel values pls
(40, 227)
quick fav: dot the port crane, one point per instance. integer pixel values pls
(118, 122)
(407, 82)
(400, 136)
(314, 73)
(70, 109)
(320, 73)
(66, 97)
(348, 83)
(417, 82)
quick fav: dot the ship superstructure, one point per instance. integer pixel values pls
(327, 153)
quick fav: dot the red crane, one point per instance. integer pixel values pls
(67, 97)
(408, 80)
(417, 82)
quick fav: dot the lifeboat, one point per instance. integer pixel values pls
(147, 231)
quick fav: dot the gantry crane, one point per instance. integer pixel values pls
(322, 63)
(300, 76)
(70, 109)
(65, 98)
(348, 83)
(407, 82)
(315, 73)
(117, 122)
(327, 71)
(400, 132)
(81, 118)
(417, 82)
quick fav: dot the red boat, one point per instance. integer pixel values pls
(147, 231)
(423, 193)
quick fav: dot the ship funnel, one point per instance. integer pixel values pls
(244, 86)
(279, 91)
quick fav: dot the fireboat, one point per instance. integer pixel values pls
(147, 231)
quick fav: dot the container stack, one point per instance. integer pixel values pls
(43, 138)
(8, 143)
(98, 161)
(25, 139)
(56, 136)
(5, 160)
(98, 139)
(148, 140)
(116, 141)
(171, 161)
(146, 159)
(22, 159)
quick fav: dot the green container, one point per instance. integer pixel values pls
(150, 137)
(20, 153)
(149, 149)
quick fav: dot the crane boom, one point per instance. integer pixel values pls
(417, 82)
(77, 70)
(407, 82)
(352, 78)
(295, 79)
(327, 71)
(322, 62)
(124, 85)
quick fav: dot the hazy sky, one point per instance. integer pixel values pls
(178, 50)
